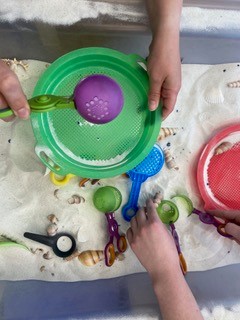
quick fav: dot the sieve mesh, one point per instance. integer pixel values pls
(80, 147)
(224, 177)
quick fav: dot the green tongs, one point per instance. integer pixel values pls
(43, 103)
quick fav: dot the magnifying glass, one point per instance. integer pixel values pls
(63, 244)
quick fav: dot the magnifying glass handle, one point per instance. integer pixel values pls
(43, 103)
(49, 241)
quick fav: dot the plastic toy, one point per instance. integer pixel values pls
(108, 199)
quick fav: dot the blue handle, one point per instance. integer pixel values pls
(130, 209)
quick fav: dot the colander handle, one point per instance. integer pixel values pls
(130, 209)
(137, 60)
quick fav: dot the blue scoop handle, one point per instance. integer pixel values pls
(130, 209)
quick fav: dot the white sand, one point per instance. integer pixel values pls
(27, 195)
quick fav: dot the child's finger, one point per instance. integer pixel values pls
(229, 215)
(233, 230)
(129, 234)
(151, 210)
(141, 217)
(134, 224)
(154, 94)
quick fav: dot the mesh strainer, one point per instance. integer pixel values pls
(67, 143)
(219, 171)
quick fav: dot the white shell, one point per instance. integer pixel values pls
(213, 95)
(234, 84)
(165, 132)
(169, 160)
(223, 147)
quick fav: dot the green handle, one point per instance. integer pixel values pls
(135, 59)
(43, 103)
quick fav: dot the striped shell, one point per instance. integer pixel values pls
(234, 84)
(223, 147)
(165, 132)
(91, 257)
(169, 160)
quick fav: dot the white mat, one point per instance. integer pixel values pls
(205, 105)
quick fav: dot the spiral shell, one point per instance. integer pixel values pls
(234, 84)
(223, 147)
(169, 160)
(165, 132)
(91, 257)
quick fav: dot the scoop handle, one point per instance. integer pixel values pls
(49, 241)
(43, 103)
(129, 210)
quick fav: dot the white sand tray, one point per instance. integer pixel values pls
(204, 106)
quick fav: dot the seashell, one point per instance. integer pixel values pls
(119, 256)
(94, 181)
(83, 181)
(223, 147)
(76, 199)
(91, 257)
(213, 95)
(165, 132)
(47, 256)
(52, 218)
(42, 268)
(55, 193)
(169, 160)
(72, 256)
(36, 250)
(157, 199)
(71, 200)
(13, 64)
(234, 84)
(52, 229)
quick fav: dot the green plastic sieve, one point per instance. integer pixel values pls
(67, 143)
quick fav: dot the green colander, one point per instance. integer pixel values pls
(68, 144)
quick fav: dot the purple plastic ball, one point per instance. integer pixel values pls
(98, 99)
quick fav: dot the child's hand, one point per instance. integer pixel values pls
(11, 94)
(233, 227)
(152, 243)
(164, 69)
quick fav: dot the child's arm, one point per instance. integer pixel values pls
(154, 246)
(164, 65)
(11, 93)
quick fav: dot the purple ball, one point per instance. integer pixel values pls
(98, 99)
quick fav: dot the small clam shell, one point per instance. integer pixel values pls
(52, 229)
(76, 198)
(71, 200)
(213, 96)
(52, 218)
(47, 256)
(42, 268)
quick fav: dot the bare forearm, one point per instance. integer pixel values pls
(175, 298)
(164, 15)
